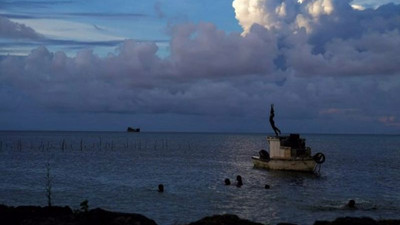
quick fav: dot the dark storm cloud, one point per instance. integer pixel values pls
(346, 23)
(371, 54)
(327, 65)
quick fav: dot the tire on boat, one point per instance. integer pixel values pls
(319, 158)
(264, 155)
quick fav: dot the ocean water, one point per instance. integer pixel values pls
(120, 171)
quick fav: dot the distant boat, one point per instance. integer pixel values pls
(135, 130)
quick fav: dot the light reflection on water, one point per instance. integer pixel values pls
(121, 171)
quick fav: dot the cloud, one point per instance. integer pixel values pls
(135, 79)
(107, 15)
(367, 55)
(63, 15)
(17, 38)
(321, 63)
(67, 30)
(22, 34)
(16, 16)
(336, 111)
(158, 9)
(203, 51)
(328, 37)
(358, 7)
(9, 29)
(390, 121)
(372, 3)
(315, 16)
(32, 4)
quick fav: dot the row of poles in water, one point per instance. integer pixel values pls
(90, 145)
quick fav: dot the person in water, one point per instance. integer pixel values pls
(271, 121)
(239, 181)
(161, 188)
(351, 204)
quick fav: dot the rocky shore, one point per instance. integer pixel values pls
(55, 215)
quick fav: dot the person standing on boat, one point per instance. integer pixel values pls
(271, 121)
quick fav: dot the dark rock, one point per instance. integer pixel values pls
(32, 214)
(55, 215)
(35, 215)
(322, 222)
(226, 219)
(102, 217)
(350, 221)
(389, 222)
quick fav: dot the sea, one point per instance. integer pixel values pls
(121, 171)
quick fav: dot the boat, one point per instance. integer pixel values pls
(135, 130)
(288, 153)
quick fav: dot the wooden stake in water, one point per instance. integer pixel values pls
(49, 185)
(63, 145)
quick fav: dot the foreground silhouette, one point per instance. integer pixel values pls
(55, 215)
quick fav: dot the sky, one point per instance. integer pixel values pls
(328, 66)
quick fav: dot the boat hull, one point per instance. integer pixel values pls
(298, 164)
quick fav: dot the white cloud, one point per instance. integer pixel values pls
(268, 13)
(320, 7)
(358, 7)
(373, 3)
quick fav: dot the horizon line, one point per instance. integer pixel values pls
(202, 132)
